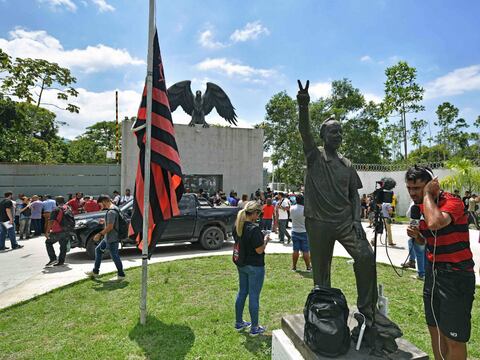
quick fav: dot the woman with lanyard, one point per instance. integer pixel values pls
(251, 244)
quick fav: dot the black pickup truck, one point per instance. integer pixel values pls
(198, 222)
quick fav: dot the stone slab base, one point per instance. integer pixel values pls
(283, 348)
(293, 326)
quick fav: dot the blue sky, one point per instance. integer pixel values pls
(252, 49)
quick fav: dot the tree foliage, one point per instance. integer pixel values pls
(418, 132)
(92, 146)
(452, 128)
(27, 138)
(465, 177)
(402, 96)
(27, 79)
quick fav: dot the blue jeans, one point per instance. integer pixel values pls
(250, 280)
(11, 235)
(417, 251)
(113, 248)
(300, 242)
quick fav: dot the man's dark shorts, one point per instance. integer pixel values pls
(452, 301)
(300, 241)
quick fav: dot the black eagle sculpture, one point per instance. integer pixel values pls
(180, 94)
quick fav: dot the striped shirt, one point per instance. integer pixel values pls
(453, 241)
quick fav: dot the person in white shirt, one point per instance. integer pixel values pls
(126, 198)
(116, 198)
(283, 207)
(299, 234)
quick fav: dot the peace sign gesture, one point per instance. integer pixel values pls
(303, 98)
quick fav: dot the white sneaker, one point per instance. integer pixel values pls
(117, 278)
(91, 274)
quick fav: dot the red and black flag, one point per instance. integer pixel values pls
(166, 184)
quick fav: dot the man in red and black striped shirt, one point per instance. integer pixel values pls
(449, 279)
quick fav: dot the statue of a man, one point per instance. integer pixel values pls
(332, 207)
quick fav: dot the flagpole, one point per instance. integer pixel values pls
(146, 178)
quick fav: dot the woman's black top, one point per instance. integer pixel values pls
(251, 239)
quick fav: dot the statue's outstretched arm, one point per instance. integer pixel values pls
(303, 99)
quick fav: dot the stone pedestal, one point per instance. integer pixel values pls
(293, 326)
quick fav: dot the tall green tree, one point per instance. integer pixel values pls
(402, 95)
(452, 129)
(27, 79)
(418, 132)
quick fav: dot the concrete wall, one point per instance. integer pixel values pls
(403, 199)
(234, 153)
(59, 179)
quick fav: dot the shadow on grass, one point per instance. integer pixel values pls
(163, 341)
(257, 345)
(109, 285)
(306, 274)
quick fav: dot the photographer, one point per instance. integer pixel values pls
(449, 277)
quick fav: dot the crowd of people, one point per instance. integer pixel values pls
(29, 216)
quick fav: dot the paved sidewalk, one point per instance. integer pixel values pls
(23, 275)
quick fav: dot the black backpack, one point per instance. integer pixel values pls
(68, 220)
(122, 228)
(326, 315)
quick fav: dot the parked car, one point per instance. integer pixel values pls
(198, 221)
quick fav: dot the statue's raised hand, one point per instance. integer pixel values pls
(303, 98)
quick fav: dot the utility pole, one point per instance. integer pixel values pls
(117, 130)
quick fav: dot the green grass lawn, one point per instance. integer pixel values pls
(191, 313)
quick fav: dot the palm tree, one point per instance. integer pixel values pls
(465, 177)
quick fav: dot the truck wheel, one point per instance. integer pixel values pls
(212, 238)
(91, 245)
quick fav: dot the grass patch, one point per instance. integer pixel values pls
(191, 313)
(402, 219)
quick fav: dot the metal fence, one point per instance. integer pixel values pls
(59, 179)
(403, 166)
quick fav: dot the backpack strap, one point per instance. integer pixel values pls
(60, 216)
(116, 225)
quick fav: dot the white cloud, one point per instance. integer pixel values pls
(373, 97)
(455, 82)
(94, 107)
(207, 40)
(250, 31)
(41, 45)
(320, 89)
(59, 4)
(103, 6)
(227, 67)
(365, 58)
